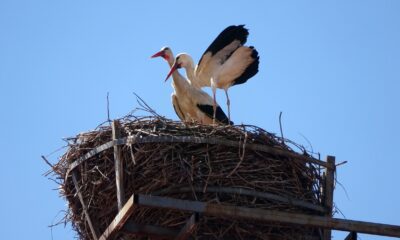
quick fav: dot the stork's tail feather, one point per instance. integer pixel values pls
(220, 116)
(251, 70)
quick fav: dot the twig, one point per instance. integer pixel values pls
(146, 107)
(344, 189)
(241, 156)
(309, 143)
(63, 220)
(280, 126)
(341, 163)
(47, 162)
(340, 212)
(108, 108)
(57, 150)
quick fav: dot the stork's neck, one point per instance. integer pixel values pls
(176, 76)
(179, 83)
(190, 76)
(171, 60)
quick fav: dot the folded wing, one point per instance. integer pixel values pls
(209, 111)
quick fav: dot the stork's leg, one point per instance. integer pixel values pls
(214, 90)
(228, 103)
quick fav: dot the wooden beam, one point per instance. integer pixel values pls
(120, 219)
(242, 191)
(119, 177)
(170, 203)
(151, 231)
(262, 215)
(189, 227)
(303, 219)
(93, 229)
(329, 187)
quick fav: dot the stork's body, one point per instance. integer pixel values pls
(191, 103)
(225, 63)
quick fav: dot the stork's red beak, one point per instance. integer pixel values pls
(173, 69)
(159, 54)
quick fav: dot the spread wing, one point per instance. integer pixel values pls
(241, 66)
(219, 51)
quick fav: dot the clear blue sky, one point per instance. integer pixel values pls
(333, 68)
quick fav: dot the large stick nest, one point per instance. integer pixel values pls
(191, 171)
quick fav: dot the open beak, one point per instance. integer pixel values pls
(173, 69)
(159, 54)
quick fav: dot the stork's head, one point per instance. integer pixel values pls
(165, 53)
(181, 60)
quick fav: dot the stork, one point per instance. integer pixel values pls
(190, 103)
(225, 63)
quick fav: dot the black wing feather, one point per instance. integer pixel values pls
(227, 36)
(251, 70)
(220, 116)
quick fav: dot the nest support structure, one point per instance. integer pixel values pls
(154, 177)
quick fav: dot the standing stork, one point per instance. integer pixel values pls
(225, 63)
(168, 56)
(190, 103)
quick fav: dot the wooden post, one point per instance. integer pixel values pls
(329, 186)
(189, 227)
(351, 236)
(120, 219)
(119, 177)
(89, 221)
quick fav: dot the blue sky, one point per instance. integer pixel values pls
(331, 67)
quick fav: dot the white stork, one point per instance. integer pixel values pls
(225, 63)
(190, 103)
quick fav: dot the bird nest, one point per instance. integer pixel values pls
(229, 165)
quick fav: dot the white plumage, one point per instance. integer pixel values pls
(190, 103)
(225, 63)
